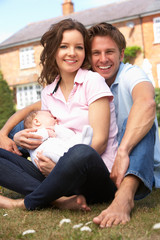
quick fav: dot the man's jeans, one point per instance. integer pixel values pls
(142, 162)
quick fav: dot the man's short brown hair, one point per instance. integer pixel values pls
(106, 29)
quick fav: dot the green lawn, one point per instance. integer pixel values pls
(46, 223)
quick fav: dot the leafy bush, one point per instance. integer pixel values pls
(6, 101)
(130, 53)
(157, 99)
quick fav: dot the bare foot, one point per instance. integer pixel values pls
(118, 212)
(8, 203)
(73, 203)
(120, 209)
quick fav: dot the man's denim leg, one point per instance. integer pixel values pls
(142, 162)
(80, 171)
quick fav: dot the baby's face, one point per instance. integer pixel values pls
(46, 119)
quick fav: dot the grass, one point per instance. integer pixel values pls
(46, 223)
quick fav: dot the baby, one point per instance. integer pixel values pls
(57, 139)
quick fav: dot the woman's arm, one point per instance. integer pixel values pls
(99, 119)
(7, 143)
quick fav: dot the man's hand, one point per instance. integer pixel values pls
(26, 139)
(44, 164)
(120, 166)
(8, 144)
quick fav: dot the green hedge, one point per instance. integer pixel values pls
(157, 99)
(6, 101)
(130, 53)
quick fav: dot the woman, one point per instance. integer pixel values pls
(76, 97)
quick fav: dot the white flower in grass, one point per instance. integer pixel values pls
(65, 220)
(78, 225)
(85, 228)
(156, 226)
(88, 223)
(6, 214)
(28, 231)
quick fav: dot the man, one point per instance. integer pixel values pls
(133, 93)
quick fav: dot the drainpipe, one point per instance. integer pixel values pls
(142, 37)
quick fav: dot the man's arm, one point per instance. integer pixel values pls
(140, 121)
(6, 142)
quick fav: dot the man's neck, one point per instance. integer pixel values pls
(109, 82)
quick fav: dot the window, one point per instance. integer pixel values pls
(156, 29)
(27, 58)
(158, 73)
(28, 94)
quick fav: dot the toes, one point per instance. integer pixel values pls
(97, 220)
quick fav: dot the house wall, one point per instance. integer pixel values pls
(133, 37)
(10, 65)
(151, 49)
(143, 35)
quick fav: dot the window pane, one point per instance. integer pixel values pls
(156, 29)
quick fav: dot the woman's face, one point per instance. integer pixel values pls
(71, 52)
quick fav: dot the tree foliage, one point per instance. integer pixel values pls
(157, 99)
(130, 53)
(6, 101)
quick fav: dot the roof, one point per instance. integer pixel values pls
(115, 12)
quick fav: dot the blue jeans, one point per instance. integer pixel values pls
(80, 171)
(18, 173)
(142, 162)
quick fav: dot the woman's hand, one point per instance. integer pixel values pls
(26, 139)
(44, 164)
(8, 144)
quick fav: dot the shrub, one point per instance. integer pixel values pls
(130, 53)
(157, 99)
(6, 101)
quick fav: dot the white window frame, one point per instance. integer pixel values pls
(27, 94)
(156, 29)
(26, 56)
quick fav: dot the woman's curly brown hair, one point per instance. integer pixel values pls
(51, 41)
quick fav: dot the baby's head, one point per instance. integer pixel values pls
(39, 119)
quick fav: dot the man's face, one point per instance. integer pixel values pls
(106, 57)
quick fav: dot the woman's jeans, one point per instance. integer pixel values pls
(80, 171)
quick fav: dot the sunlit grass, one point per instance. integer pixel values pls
(46, 223)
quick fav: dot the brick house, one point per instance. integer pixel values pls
(139, 21)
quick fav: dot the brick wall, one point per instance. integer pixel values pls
(142, 35)
(10, 65)
(151, 50)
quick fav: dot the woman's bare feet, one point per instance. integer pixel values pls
(120, 209)
(73, 203)
(8, 203)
